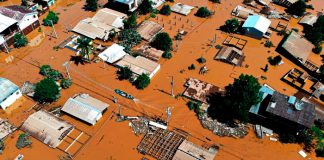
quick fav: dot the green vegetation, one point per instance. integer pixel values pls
(2, 146)
(112, 34)
(317, 49)
(162, 41)
(24, 3)
(194, 106)
(275, 61)
(231, 26)
(66, 83)
(85, 45)
(142, 81)
(51, 18)
(298, 8)
(124, 73)
(46, 91)
(48, 72)
(201, 60)
(23, 140)
(268, 44)
(238, 99)
(167, 55)
(130, 22)
(128, 38)
(20, 40)
(165, 10)
(203, 12)
(91, 5)
(145, 7)
(192, 67)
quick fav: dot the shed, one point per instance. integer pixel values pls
(10, 92)
(113, 53)
(242, 12)
(148, 30)
(85, 108)
(256, 26)
(182, 8)
(230, 55)
(139, 65)
(47, 128)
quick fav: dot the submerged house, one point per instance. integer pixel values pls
(9, 93)
(285, 3)
(230, 55)
(256, 26)
(278, 109)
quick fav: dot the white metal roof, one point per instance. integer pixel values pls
(6, 22)
(258, 22)
(113, 53)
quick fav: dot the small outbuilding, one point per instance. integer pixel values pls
(113, 53)
(230, 55)
(10, 92)
(85, 108)
(149, 52)
(47, 128)
(182, 8)
(256, 26)
(148, 30)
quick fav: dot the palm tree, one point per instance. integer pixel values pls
(84, 44)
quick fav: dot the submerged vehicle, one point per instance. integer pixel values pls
(124, 94)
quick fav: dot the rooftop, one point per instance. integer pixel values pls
(6, 22)
(113, 53)
(148, 29)
(182, 8)
(15, 12)
(47, 128)
(189, 151)
(199, 90)
(242, 12)
(258, 22)
(298, 46)
(230, 55)
(149, 52)
(308, 19)
(6, 128)
(7, 88)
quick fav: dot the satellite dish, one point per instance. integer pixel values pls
(299, 106)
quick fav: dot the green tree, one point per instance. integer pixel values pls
(317, 49)
(66, 83)
(24, 3)
(165, 10)
(142, 81)
(51, 18)
(268, 44)
(298, 8)
(112, 34)
(162, 41)
(238, 99)
(84, 44)
(20, 40)
(2, 146)
(275, 61)
(167, 55)
(91, 5)
(145, 7)
(130, 22)
(124, 73)
(203, 12)
(129, 38)
(315, 35)
(46, 91)
(231, 26)
(23, 140)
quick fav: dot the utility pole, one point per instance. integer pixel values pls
(66, 64)
(168, 113)
(172, 87)
(53, 28)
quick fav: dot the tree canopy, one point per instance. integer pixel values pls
(316, 33)
(142, 81)
(91, 5)
(237, 100)
(203, 12)
(130, 22)
(20, 40)
(124, 73)
(165, 10)
(145, 7)
(298, 8)
(50, 18)
(85, 45)
(24, 3)
(46, 91)
(231, 26)
(162, 41)
(129, 38)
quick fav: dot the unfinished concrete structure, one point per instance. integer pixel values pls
(47, 128)
(161, 144)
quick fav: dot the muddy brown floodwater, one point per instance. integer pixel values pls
(115, 140)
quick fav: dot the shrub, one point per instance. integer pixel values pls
(162, 41)
(319, 123)
(201, 60)
(46, 91)
(128, 38)
(167, 55)
(275, 61)
(298, 8)
(231, 26)
(66, 83)
(165, 10)
(50, 19)
(124, 73)
(130, 22)
(23, 140)
(145, 7)
(268, 44)
(192, 67)
(20, 40)
(317, 49)
(142, 81)
(203, 12)
(91, 5)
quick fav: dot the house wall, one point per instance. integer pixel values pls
(28, 20)
(252, 32)
(31, 27)
(11, 99)
(154, 72)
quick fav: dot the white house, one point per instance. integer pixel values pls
(256, 26)
(9, 93)
(113, 53)
(27, 19)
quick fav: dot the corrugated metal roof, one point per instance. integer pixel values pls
(6, 22)
(258, 22)
(6, 88)
(113, 53)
